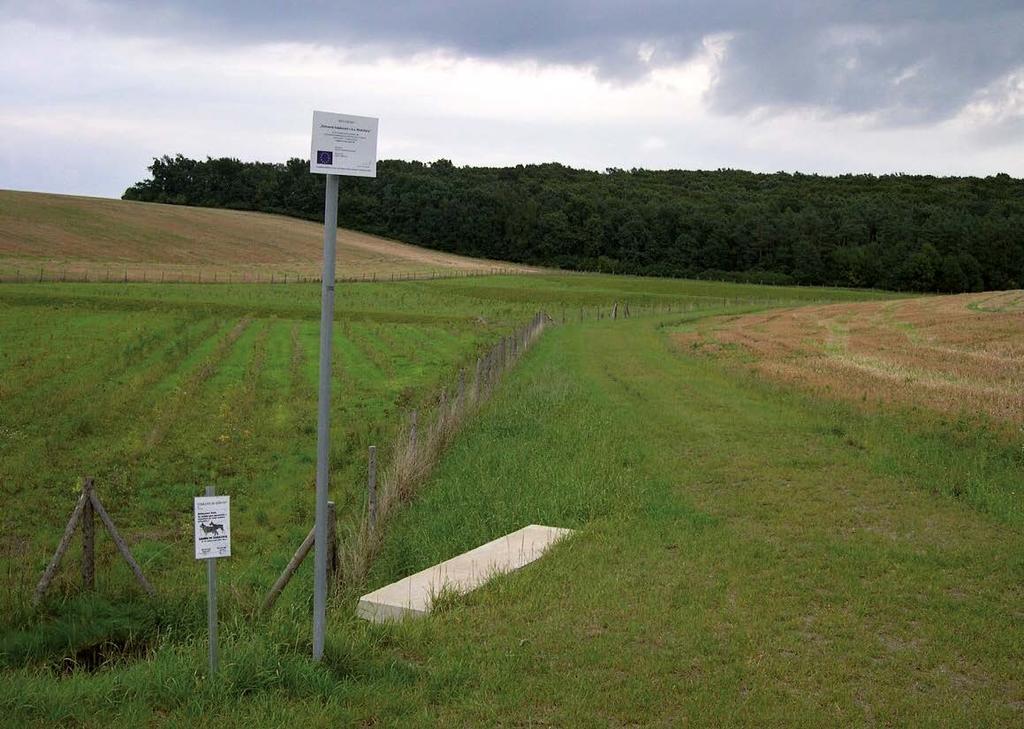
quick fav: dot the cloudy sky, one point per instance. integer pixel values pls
(91, 91)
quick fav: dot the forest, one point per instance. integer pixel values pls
(898, 232)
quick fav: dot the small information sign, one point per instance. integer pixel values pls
(343, 144)
(213, 526)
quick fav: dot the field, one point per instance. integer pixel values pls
(752, 549)
(958, 355)
(62, 237)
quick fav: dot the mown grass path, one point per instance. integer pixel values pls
(746, 557)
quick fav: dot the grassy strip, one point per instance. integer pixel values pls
(740, 562)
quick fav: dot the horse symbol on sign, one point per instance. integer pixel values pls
(212, 528)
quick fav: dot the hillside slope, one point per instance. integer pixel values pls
(896, 232)
(78, 236)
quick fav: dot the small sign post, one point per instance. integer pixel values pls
(213, 540)
(342, 144)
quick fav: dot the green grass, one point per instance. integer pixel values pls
(156, 390)
(745, 555)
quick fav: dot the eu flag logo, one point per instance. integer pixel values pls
(324, 158)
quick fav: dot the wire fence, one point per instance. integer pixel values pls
(129, 274)
(419, 444)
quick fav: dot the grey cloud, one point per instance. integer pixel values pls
(906, 72)
(905, 62)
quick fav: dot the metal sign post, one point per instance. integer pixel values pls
(212, 540)
(342, 144)
(323, 419)
(211, 605)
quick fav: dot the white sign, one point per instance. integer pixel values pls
(343, 145)
(213, 526)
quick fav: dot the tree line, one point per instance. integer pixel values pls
(899, 232)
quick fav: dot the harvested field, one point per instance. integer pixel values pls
(959, 355)
(62, 236)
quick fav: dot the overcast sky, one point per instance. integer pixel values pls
(91, 91)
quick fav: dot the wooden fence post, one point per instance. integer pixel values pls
(332, 539)
(412, 431)
(289, 570)
(62, 547)
(122, 546)
(372, 489)
(88, 538)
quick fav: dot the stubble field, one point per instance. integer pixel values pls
(64, 237)
(958, 355)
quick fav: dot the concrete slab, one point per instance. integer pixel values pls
(412, 596)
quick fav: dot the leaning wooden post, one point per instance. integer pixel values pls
(69, 531)
(412, 431)
(289, 570)
(371, 488)
(122, 546)
(88, 538)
